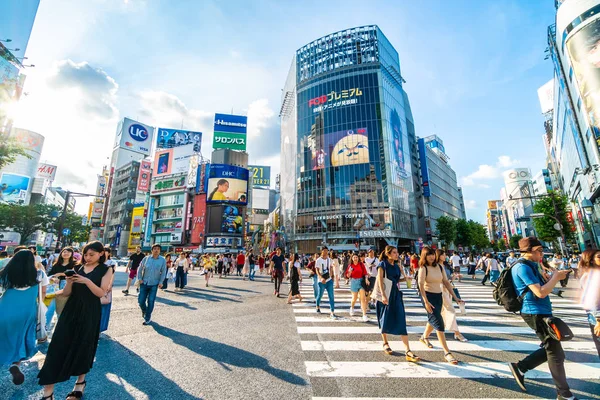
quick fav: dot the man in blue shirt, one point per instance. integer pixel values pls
(151, 274)
(536, 306)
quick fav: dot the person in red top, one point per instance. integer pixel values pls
(414, 263)
(357, 273)
(261, 263)
(241, 259)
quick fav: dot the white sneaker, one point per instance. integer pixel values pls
(365, 318)
(332, 316)
(352, 312)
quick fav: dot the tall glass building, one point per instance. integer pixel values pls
(348, 144)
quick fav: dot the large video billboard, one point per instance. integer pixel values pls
(13, 188)
(230, 132)
(424, 168)
(169, 138)
(584, 50)
(340, 148)
(227, 184)
(135, 136)
(233, 220)
(173, 161)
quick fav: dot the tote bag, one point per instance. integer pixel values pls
(387, 287)
(40, 329)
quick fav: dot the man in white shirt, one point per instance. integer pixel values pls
(455, 259)
(323, 267)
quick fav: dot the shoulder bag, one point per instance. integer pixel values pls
(387, 287)
(107, 298)
(138, 282)
(40, 329)
(557, 329)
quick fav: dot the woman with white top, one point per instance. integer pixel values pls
(430, 280)
(336, 268)
(181, 265)
(371, 265)
(492, 268)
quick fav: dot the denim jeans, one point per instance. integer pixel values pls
(146, 299)
(179, 278)
(315, 279)
(550, 351)
(322, 288)
(251, 273)
(595, 339)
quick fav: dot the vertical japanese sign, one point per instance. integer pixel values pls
(144, 176)
(199, 219)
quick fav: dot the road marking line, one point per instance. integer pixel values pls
(358, 314)
(483, 370)
(489, 329)
(475, 345)
(416, 305)
(421, 310)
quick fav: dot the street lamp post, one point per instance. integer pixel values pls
(558, 226)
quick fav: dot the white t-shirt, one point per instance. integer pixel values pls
(559, 263)
(510, 261)
(455, 260)
(371, 264)
(110, 263)
(324, 266)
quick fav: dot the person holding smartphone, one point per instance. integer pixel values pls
(75, 340)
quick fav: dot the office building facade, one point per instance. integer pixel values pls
(347, 130)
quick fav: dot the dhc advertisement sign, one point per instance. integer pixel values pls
(230, 132)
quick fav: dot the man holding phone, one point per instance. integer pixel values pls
(151, 275)
(323, 268)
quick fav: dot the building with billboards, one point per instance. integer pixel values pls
(346, 145)
(441, 194)
(572, 126)
(517, 202)
(167, 211)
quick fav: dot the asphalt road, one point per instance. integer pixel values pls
(235, 340)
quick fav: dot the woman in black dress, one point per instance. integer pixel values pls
(295, 279)
(73, 346)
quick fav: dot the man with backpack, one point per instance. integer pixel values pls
(532, 291)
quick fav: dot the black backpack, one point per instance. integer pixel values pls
(505, 293)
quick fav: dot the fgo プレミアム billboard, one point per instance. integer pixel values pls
(13, 188)
(135, 136)
(169, 138)
(227, 184)
(584, 49)
(230, 132)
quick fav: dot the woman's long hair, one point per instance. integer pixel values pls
(424, 253)
(438, 255)
(385, 254)
(98, 247)
(59, 259)
(20, 271)
(587, 260)
(219, 183)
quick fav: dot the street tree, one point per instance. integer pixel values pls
(514, 241)
(479, 235)
(464, 235)
(502, 245)
(446, 230)
(553, 205)
(26, 220)
(79, 232)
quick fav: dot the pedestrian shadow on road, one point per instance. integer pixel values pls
(174, 303)
(205, 296)
(225, 355)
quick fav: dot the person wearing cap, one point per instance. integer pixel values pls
(536, 306)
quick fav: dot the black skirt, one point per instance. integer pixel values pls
(435, 318)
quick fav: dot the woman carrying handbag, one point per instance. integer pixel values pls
(106, 300)
(391, 316)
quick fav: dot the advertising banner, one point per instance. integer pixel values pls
(202, 178)
(198, 219)
(135, 235)
(424, 168)
(173, 184)
(135, 136)
(342, 148)
(260, 199)
(169, 138)
(397, 156)
(233, 220)
(148, 232)
(223, 241)
(29, 140)
(13, 188)
(173, 161)
(583, 48)
(546, 96)
(261, 175)
(227, 184)
(144, 176)
(230, 132)
(46, 171)
(97, 208)
(193, 171)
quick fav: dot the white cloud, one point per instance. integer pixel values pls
(470, 204)
(260, 116)
(487, 172)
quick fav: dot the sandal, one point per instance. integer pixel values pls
(426, 342)
(410, 356)
(17, 376)
(387, 349)
(51, 397)
(78, 394)
(450, 358)
(460, 338)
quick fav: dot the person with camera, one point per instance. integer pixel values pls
(75, 340)
(324, 268)
(536, 306)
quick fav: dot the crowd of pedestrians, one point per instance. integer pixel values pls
(75, 290)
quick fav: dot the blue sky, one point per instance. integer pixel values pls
(472, 70)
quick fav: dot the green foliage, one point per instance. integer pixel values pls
(479, 237)
(446, 230)
(25, 220)
(501, 245)
(79, 233)
(514, 241)
(10, 149)
(555, 205)
(464, 234)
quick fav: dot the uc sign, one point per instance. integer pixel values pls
(138, 132)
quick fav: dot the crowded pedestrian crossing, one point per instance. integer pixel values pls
(345, 359)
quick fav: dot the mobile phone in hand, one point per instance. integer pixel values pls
(69, 272)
